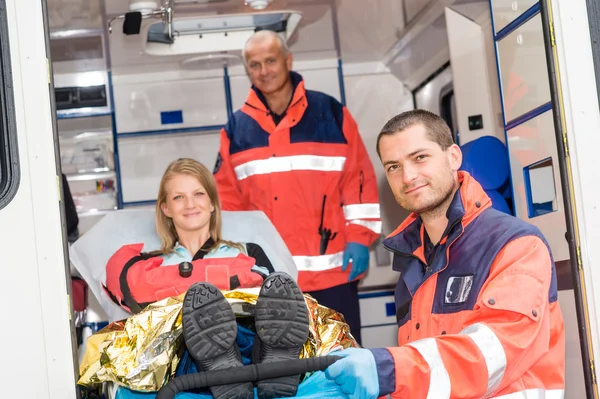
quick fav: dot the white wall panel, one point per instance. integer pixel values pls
(528, 143)
(474, 77)
(378, 320)
(367, 30)
(372, 100)
(240, 87)
(505, 11)
(380, 337)
(523, 69)
(323, 80)
(574, 380)
(414, 7)
(428, 96)
(139, 105)
(145, 159)
(377, 310)
(315, 32)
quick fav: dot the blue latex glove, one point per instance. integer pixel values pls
(356, 373)
(360, 259)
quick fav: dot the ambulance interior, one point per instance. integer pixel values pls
(129, 104)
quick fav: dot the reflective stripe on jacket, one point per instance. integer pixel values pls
(312, 164)
(482, 320)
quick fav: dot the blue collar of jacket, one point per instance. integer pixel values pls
(408, 240)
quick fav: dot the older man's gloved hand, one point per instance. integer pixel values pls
(359, 254)
(356, 373)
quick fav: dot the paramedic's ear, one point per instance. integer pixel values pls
(288, 61)
(454, 157)
(165, 210)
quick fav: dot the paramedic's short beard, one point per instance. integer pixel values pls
(437, 199)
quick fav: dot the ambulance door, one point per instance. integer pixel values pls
(35, 311)
(538, 161)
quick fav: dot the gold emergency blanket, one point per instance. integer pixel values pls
(142, 352)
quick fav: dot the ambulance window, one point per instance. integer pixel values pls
(540, 188)
(9, 162)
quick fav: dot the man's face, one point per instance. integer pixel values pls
(268, 68)
(421, 175)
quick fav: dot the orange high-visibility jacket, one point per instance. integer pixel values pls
(481, 320)
(135, 279)
(312, 163)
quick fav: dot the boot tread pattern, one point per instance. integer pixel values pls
(210, 333)
(282, 324)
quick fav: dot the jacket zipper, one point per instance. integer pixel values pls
(428, 268)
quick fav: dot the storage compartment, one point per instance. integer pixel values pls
(95, 201)
(378, 319)
(145, 159)
(377, 308)
(168, 105)
(86, 152)
(380, 337)
(523, 69)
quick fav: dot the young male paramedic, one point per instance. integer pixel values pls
(297, 155)
(476, 299)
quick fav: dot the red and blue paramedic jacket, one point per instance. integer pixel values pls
(311, 165)
(482, 319)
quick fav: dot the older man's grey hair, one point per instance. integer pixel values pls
(263, 36)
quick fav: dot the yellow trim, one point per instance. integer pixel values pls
(576, 237)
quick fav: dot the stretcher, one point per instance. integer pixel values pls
(89, 255)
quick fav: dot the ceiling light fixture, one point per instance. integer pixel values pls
(258, 4)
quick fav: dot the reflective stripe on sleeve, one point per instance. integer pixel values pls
(492, 350)
(439, 380)
(371, 225)
(319, 263)
(362, 211)
(535, 394)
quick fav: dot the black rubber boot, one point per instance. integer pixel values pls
(210, 333)
(282, 325)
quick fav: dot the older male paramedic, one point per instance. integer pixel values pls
(476, 300)
(297, 155)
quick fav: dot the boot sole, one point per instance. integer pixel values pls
(210, 333)
(282, 324)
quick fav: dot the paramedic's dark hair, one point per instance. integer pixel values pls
(438, 130)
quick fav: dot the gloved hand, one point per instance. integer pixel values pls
(356, 373)
(360, 259)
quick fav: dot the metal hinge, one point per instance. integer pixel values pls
(69, 307)
(552, 38)
(565, 144)
(578, 254)
(593, 372)
(58, 183)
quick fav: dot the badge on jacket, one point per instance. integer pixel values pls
(218, 163)
(458, 289)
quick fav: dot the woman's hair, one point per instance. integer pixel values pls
(164, 225)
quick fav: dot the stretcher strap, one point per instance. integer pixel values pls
(128, 299)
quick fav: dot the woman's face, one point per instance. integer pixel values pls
(187, 204)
